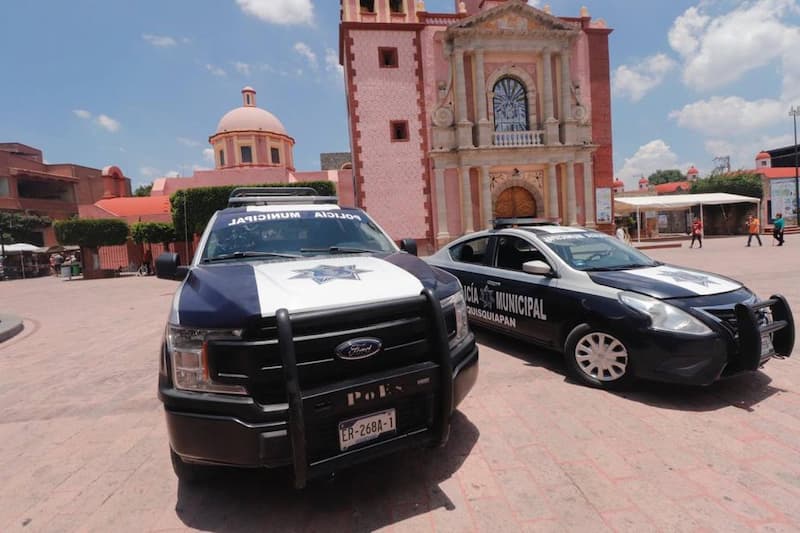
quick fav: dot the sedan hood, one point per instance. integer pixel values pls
(227, 295)
(666, 281)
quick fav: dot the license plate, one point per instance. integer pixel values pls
(366, 428)
(766, 345)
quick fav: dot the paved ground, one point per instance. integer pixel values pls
(83, 444)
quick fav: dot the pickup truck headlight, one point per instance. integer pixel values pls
(663, 316)
(187, 350)
(460, 307)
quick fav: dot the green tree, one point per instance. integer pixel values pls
(740, 182)
(193, 208)
(150, 232)
(143, 190)
(665, 176)
(91, 233)
(19, 227)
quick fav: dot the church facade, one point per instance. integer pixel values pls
(498, 109)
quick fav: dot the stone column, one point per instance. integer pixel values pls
(486, 197)
(442, 235)
(572, 201)
(463, 126)
(568, 124)
(550, 122)
(552, 191)
(466, 201)
(588, 192)
(484, 130)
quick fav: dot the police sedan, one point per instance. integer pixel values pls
(613, 312)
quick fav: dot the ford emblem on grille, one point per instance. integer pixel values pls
(358, 349)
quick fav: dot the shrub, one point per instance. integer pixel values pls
(91, 233)
(151, 232)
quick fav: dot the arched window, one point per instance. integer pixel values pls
(510, 105)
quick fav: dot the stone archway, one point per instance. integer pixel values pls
(515, 202)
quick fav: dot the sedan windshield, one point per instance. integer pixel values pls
(593, 251)
(281, 235)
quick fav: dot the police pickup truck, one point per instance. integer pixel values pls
(301, 336)
(613, 312)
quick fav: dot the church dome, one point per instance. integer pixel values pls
(763, 155)
(248, 117)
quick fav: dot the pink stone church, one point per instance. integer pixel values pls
(497, 109)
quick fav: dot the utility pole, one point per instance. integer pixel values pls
(793, 112)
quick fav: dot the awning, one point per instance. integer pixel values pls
(637, 204)
(22, 247)
(627, 204)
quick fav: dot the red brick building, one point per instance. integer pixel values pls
(31, 186)
(496, 109)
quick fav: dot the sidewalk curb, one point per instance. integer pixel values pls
(10, 326)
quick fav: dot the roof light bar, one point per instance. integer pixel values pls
(500, 223)
(277, 196)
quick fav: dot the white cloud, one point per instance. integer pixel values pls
(304, 50)
(332, 61)
(743, 152)
(199, 167)
(242, 68)
(655, 155)
(208, 154)
(635, 81)
(161, 41)
(82, 113)
(150, 172)
(720, 49)
(188, 142)
(172, 174)
(534, 3)
(731, 114)
(215, 70)
(279, 11)
(108, 123)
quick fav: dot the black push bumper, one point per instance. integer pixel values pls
(743, 341)
(304, 431)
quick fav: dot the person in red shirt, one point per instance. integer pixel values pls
(697, 232)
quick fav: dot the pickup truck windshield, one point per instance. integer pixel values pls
(591, 251)
(280, 235)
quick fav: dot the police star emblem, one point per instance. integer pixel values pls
(487, 298)
(679, 276)
(325, 273)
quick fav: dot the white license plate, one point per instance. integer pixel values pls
(365, 428)
(766, 345)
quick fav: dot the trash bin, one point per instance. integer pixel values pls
(76, 269)
(66, 271)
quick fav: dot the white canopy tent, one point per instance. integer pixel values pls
(629, 204)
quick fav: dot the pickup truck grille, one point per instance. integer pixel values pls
(403, 328)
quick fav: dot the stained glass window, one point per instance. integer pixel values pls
(510, 105)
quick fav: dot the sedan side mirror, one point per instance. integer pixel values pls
(537, 267)
(168, 266)
(409, 245)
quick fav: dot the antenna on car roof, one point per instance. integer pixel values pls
(277, 196)
(500, 223)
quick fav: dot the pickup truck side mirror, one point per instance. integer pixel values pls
(538, 267)
(409, 245)
(168, 266)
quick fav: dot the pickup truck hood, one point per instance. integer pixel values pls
(227, 295)
(666, 281)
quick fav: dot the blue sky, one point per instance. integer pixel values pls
(143, 84)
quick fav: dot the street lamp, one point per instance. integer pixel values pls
(793, 112)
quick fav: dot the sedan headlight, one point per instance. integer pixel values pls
(188, 353)
(663, 316)
(460, 307)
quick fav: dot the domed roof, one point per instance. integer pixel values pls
(692, 170)
(643, 180)
(618, 183)
(248, 117)
(763, 155)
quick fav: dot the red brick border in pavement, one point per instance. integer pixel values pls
(83, 444)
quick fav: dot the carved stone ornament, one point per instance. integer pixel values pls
(443, 117)
(580, 113)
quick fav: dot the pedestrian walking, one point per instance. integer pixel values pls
(753, 227)
(777, 228)
(697, 232)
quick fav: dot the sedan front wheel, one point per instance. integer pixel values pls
(597, 358)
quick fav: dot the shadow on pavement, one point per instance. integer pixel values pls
(363, 498)
(744, 391)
